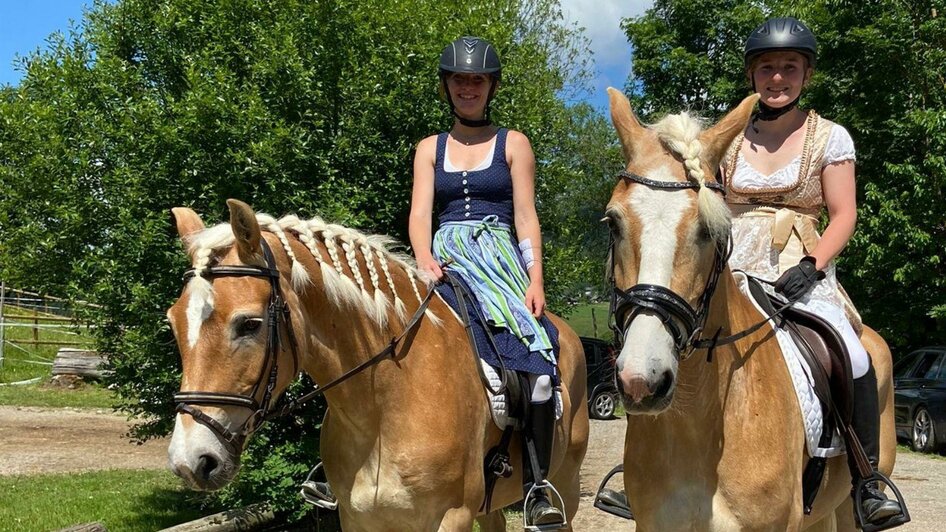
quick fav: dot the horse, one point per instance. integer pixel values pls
(714, 441)
(408, 423)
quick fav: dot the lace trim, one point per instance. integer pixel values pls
(810, 122)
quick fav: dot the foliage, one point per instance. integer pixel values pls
(291, 105)
(120, 499)
(880, 73)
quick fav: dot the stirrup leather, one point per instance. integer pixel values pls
(555, 499)
(611, 501)
(317, 492)
(890, 522)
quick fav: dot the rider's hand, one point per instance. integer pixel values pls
(798, 280)
(431, 267)
(535, 299)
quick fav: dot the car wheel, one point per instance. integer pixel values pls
(602, 405)
(924, 436)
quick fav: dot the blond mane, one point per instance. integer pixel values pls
(375, 294)
(680, 133)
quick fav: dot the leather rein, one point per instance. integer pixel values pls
(684, 323)
(278, 311)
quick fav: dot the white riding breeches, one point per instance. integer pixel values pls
(540, 387)
(860, 360)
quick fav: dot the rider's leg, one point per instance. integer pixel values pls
(865, 419)
(539, 431)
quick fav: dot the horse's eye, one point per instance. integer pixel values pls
(613, 226)
(249, 326)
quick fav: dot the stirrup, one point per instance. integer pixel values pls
(317, 492)
(890, 522)
(611, 501)
(557, 502)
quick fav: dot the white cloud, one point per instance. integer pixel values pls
(602, 22)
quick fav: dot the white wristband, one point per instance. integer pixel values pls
(528, 256)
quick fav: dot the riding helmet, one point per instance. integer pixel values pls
(470, 55)
(781, 34)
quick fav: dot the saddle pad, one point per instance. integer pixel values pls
(497, 402)
(808, 403)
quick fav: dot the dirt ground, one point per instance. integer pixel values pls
(50, 440)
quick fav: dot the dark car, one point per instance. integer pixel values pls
(920, 398)
(602, 393)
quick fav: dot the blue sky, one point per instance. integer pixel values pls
(25, 25)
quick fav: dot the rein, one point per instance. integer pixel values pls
(234, 440)
(684, 323)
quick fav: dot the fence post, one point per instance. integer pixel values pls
(35, 326)
(594, 322)
(3, 295)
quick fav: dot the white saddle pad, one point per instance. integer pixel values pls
(497, 402)
(808, 403)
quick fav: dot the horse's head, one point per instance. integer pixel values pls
(237, 350)
(670, 227)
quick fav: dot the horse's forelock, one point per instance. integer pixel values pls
(681, 134)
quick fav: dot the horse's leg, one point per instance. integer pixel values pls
(828, 523)
(845, 516)
(494, 521)
(456, 519)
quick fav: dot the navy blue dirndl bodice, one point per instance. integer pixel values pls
(472, 195)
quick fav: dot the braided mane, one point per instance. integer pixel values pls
(344, 246)
(681, 134)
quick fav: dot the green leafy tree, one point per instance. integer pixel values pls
(880, 73)
(291, 105)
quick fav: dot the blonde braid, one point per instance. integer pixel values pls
(329, 276)
(300, 277)
(398, 303)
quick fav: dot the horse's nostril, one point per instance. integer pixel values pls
(663, 387)
(206, 466)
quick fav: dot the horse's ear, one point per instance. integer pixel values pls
(629, 129)
(716, 140)
(187, 221)
(245, 229)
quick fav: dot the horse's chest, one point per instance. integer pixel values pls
(377, 488)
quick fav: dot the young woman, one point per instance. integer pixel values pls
(787, 166)
(481, 178)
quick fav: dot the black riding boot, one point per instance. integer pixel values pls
(875, 506)
(539, 433)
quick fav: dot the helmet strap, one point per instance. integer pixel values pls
(767, 113)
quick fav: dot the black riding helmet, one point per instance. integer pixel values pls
(470, 55)
(782, 34)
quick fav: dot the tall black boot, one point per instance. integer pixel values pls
(865, 420)
(539, 433)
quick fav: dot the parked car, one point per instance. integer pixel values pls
(919, 381)
(602, 392)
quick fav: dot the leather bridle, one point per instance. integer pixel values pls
(684, 323)
(234, 440)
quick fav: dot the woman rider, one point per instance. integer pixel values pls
(482, 179)
(778, 174)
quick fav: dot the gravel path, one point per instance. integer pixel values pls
(54, 440)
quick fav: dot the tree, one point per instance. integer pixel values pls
(880, 73)
(291, 105)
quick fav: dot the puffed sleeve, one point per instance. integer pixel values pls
(840, 146)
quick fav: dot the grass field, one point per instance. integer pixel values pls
(120, 499)
(23, 361)
(584, 318)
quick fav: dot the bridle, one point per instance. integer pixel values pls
(278, 311)
(684, 323)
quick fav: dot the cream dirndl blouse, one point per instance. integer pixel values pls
(776, 217)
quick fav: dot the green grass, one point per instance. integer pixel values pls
(21, 361)
(86, 396)
(580, 319)
(902, 448)
(120, 499)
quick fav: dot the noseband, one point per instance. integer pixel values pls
(683, 322)
(278, 311)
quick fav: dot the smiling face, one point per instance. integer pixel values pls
(779, 77)
(469, 93)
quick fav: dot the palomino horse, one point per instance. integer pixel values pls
(713, 443)
(405, 438)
